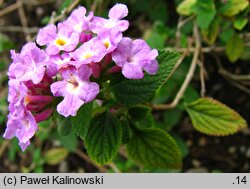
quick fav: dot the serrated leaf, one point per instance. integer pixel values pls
(141, 116)
(205, 11)
(154, 148)
(126, 131)
(186, 7)
(210, 34)
(55, 156)
(103, 138)
(80, 122)
(234, 48)
(131, 92)
(211, 117)
(240, 23)
(232, 7)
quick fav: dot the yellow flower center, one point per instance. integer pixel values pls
(87, 55)
(60, 42)
(106, 44)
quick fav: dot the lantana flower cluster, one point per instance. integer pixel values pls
(57, 71)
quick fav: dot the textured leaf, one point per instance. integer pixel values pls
(80, 122)
(103, 138)
(234, 48)
(210, 34)
(126, 131)
(186, 7)
(214, 118)
(205, 11)
(55, 156)
(141, 116)
(232, 7)
(131, 92)
(155, 148)
(240, 23)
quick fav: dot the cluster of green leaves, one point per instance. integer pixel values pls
(105, 130)
(126, 120)
(219, 19)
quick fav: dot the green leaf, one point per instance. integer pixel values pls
(80, 122)
(65, 4)
(158, 11)
(234, 48)
(55, 156)
(205, 11)
(5, 43)
(103, 138)
(210, 34)
(226, 35)
(156, 37)
(214, 118)
(126, 131)
(154, 148)
(131, 92)
(141, 116)
(171, 118)
(69, 142)
(186, 7)
(240, 23)
(63, 125)
(191, 94)
(231, 8)
(181, 144)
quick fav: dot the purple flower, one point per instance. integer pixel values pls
(22, 126)
(110, 39)
(78, 20)
(56, 62)
(20, 122)
(134, 57)
(91, 51)
(29, 64)
(116, 14)
(17, 91)
(75, 88)
(60, 38)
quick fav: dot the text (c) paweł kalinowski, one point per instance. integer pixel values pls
(61, 180)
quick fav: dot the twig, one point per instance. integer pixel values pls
(202, 77)
(189, 75)
(9, 9)
(87, 159)
(233, 76)
(206, 49)
(23, 20)
(180, 24)
(114, 167)
(18, 29)
(15, 6)
(178, 63)
(178, 32)
(123, 153)
(54, 19)
(239, 86)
